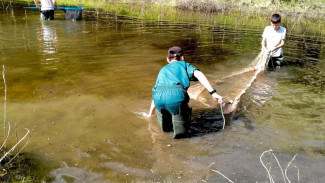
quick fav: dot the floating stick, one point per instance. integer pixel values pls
(288, 167)
(280, 167)
(268, 172)
(6, 137)
(5, 102)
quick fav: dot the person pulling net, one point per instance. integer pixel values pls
(170, 98)
(238, 82)
(47, 7)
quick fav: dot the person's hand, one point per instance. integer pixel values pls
(268, 51)
(217, 97)
(148, 115)
(263, 48)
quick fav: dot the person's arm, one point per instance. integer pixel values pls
(37, 5)
(263, 43)
(264, 35)
(278, 46)
(54, 3)
(151, 110)
(204, 81)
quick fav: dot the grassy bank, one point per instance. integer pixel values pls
(164, 9)
(297, 14)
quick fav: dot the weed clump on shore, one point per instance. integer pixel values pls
(24, 168)
(260, 8)
(208, 6)
(166, 8)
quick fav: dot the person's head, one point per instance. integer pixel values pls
(175, 53)
(275, 21)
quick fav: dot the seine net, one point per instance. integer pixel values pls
(73, 15)
(233, 85)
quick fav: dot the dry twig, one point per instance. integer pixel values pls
(6, 137)
(5, 102)
(13, 148)
(288, 167)
(284, 175)
(280, 167)
(268, 172)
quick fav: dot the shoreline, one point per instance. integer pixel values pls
(189, 11)
(166, 9)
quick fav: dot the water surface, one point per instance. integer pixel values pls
(78, 86)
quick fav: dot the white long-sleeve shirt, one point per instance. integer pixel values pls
(47, 5)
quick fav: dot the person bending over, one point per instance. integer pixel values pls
(170, 97)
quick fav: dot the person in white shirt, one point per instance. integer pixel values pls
(273, 41)
(47, 8)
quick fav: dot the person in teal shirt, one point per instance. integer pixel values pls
(170, 97)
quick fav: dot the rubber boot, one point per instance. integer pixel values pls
(181, 124)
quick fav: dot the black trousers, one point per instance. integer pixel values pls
(274, 62)
(47, 15)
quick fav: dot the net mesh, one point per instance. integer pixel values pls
(233, 86)
(73, 15)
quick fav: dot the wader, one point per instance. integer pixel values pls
(274, 62)
(173, 112)
(47, 15)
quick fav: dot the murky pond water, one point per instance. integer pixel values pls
(78, 86)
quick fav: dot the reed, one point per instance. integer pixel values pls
(152, 8)
(7, 156)
(207, 13)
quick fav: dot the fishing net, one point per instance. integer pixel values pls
(73, 15)
(233, 86)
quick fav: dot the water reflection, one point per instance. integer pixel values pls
(48, 38)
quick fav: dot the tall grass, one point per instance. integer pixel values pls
(165, 8)
(8, 154)
(297, 14)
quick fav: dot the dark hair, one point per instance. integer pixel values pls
(276, 18)
(175, 52)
